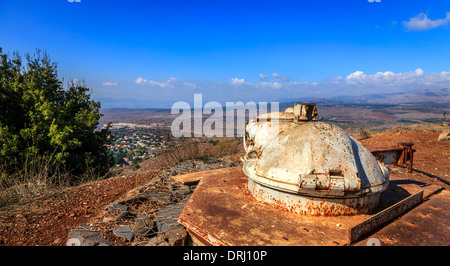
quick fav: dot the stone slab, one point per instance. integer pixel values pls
(84, 236)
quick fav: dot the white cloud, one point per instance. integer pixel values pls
(262, 76)
(354, 83)
(422, 22)
(107, 83)
(168, 83)
(272, 85)
(384, 74)
(419, 72)
(258, 85)
(279, 77)
(357, 82)
(189, 85)
(445, 75)
(389, 81)
(237, 81)
(356, 75)
(140, 81)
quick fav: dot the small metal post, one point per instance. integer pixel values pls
(407, 155)
(305, 111)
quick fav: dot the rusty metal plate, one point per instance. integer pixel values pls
(426, 225)
(193, 178)
(387, 155)
(384, 216)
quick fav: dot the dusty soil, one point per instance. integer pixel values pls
(47, 221)
(431, 156)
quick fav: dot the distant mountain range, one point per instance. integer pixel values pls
(132, 103)
(439, 96)
(425, 96)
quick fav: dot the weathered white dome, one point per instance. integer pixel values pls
(310, 167)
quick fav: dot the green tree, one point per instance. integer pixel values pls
(39, 118)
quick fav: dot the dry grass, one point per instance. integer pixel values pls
(35, 180)
(194, 150)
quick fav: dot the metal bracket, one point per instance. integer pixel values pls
(305, 111)
(322, 184)
(308, 183)
(337, 186)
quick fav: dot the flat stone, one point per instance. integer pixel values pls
(160, 198)
(84, 236)
(139, 198)
(167, 217)
(115, 212)
(118, 207)
(125, 232)
(444, 136)
(143, 188)
(176, 236)
(157, 241)
(181, 193)
(143, 226)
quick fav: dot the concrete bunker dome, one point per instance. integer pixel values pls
(310, 167)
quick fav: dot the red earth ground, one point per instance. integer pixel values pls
(431, 156)
(46, 222)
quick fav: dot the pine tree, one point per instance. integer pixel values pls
(39, 118)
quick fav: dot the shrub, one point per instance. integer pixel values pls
(40, 119)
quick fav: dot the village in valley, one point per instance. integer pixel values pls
(134, 143)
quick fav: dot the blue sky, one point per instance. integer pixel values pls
(164, 51)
